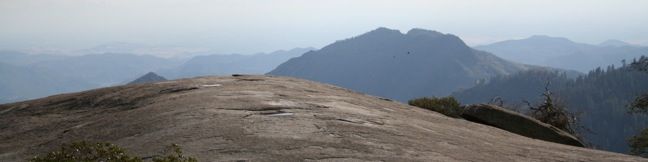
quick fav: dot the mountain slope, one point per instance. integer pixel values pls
(387, 63)
(563, 53)
(260, 118)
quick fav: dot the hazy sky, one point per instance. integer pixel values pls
(247, 26)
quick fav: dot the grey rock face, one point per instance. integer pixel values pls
(260, 118)
(517, 123)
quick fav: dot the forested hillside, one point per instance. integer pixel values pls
(601, 98)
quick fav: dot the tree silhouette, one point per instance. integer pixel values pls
(640, 104)
(553, 112)
(639, 143)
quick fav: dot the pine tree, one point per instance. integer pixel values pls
(639, 143)
(553, 112)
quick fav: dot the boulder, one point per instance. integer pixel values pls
(517, 123)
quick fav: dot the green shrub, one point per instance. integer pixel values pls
(87, 152)
(640, 104)
(173, 153)
(448, 106)
(639, 144)
(106, 152)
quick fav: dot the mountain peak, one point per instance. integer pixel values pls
(383, 31)
(386, 63)
(149, 77)
(419, 31)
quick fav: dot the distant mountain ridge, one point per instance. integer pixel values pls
(388, 63)
(17, 58)
(233, 64)
(615, 43)
(563, 53)
(165, 51)
(106, 69)
(27, 76)
(21, 83)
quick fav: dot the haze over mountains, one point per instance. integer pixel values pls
(234, 63)
(563, 53)
(28, 76)
(388, 63)
(21, 83)
(164, 51)
(382, 62)
(59, 74)
(395, 80)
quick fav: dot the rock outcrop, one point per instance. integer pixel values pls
(261, 118)
(517, 123)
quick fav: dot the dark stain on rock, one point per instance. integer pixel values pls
(177, 89)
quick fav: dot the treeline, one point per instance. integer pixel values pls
(601, 99)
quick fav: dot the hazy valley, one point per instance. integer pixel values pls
(320, 81)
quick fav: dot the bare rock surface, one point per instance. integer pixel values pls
(261, 118)
(517, 123)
